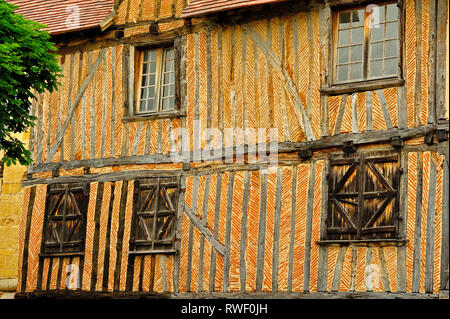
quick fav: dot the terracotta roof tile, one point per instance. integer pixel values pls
(65, 15)
(201, 7)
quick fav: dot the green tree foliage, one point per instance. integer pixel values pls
(28, 67)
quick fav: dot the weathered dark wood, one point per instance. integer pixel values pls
(178, 233)
(26, 240)
(202, 238)
(441, 60)
(431, 222)
(96, 238)
(292, 228)
(338, 269)
(369, 269)
(418, 51)
(108, 240)
(193, 217)
(308, 231)
(49, 275)
(261, 233)
(384, 272)
(353, 270)
(120, 234)
(322, 275)
(361, 86)
(243, 241)
(418, 228)
(201, 227)
(337, 127)
(402, 223)
(384, 108)
(212, 268)
(324, 143)
(276, 230)
(228, 216)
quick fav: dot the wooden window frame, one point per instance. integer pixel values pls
(359, 160)
(54, 189)
(334, 86)
(140, 246)
(135, 78)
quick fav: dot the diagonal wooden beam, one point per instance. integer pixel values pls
(378, 213)
(204, 230)
(342, 211)
(284, 75)
(344, 178)
(60, 134)
(380, 176)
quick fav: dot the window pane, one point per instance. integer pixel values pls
(342, 73)
(169, 54)
(377, 32)
(146, 56)
(142, 107)
(152, 79)
(392, 12)
(343, 55)
(376, 50)
(391, 48)
(390, 66)
(357, 35)
(391, 30)
(153, 55)
(344, 36)
(356, 71)
(356, 53)
(143, 93)
(151, 105)
(167, 78)
(357, 18)
(169, 66)
(153, 67)
(145, 68)
(376, 68)
(377, 15)
(344, 19)
(151, 92)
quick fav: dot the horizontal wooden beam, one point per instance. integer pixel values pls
(361, 86)
(326, 142)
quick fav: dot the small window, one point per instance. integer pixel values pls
(65, 218)
(363, 196)
(155, 207)
(156, 80)
(367, 45)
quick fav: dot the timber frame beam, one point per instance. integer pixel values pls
(283, 147)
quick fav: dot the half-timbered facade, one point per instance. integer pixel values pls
(210, 148)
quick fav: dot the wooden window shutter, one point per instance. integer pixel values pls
(363, 196)
(154, 214)
(65, 218)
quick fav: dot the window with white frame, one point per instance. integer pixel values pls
(156, 80)
(366, 43)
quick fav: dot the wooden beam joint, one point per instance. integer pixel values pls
(397, 142)
(429, 139)
(305, 154)
(349, 147)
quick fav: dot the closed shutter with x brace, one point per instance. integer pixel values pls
(65, 218)
(363, 196)
(155, 206)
